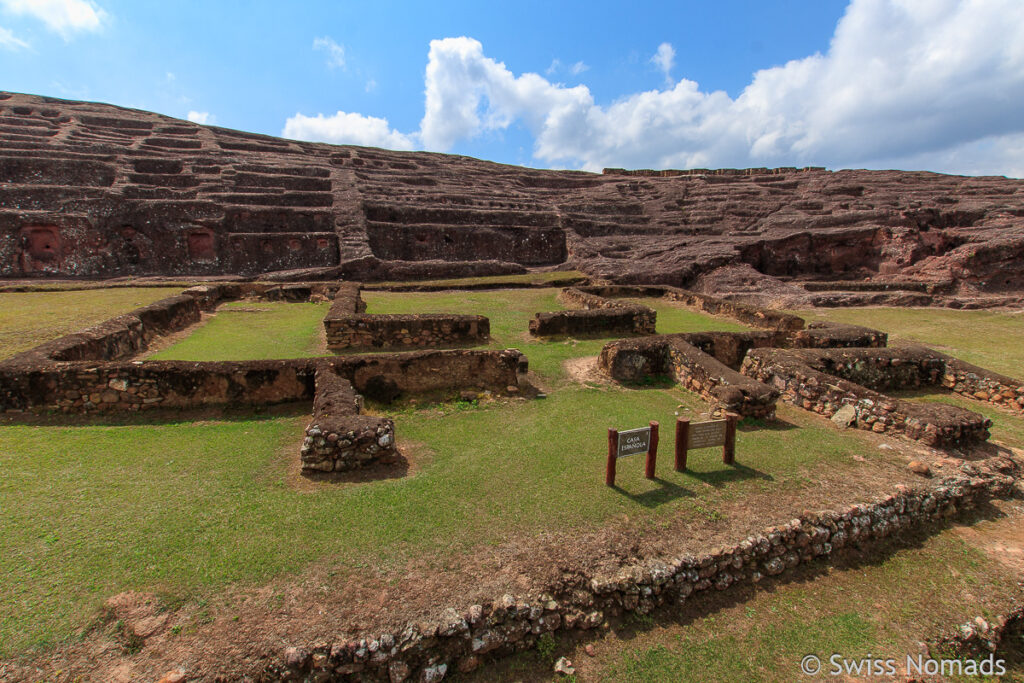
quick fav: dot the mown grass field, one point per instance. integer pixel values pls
(31, 318)
(186, 508)
(254, 330)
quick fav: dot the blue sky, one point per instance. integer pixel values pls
(930, 84)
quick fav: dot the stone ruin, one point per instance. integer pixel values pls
(92, 190)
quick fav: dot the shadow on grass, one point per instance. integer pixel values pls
(729, 474)
(666, 492)
(753, 424)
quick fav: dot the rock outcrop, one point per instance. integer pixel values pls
(93, 190)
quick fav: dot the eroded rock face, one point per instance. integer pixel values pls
(95, 190)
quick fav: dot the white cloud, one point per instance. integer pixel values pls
(926, 84)
(346, 129)
(556, 64)
(665, 59)
(10, 41)
(204, 118)
(578, 68)
(335, 52)
(371, 85)
(63, 16)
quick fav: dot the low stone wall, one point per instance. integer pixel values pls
(597, 316)
(464, 638)
(708, 362)
(718, 383)
(603, 297)
(828, 335)
(339, 438)
(84, 387)
(428, 372)
(744, 313)
(120, 337)
(348, 327)
(983, 385)
(677, 355)
(825, 381)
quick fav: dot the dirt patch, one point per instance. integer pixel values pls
(1001, 539)
(585, 370)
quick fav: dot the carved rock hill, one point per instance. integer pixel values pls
(93, 190)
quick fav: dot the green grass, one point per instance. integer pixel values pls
(853, 611)
(510, 312)
(31, 318)
(674, 318)
(530, 278)
(254, 330)
(185, 508)
(989, 339)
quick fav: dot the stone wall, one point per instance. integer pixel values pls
(708, 362)
(339, 438)
(719, 384)
(427, 372)
(696, 369)
(825, 381)
(348, 327)
(465, 637)
(82, 387)
(597, 316)
(120, 337)
(983, 385)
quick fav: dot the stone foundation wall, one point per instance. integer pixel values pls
(983, 385)
(117, 338)
(464, 638)
(84, 387)
(708, 362)
(603, 297)
(719, 384)
(796, 375)
(426, 372)
(598, 315)
(348, 327)
(339, 438)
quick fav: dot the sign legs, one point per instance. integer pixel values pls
(652, 451)
(613, 452)
(682, 437)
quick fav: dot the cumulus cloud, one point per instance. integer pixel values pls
(936, 84)
(335, 52)
(63, 16)
(10, 41)
(665, 59)
(347, 129)
(202, 117)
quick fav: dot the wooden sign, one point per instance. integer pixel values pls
(705, 435)
(633, 441)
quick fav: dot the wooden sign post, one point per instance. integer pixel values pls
(632, 442)
(705, 435)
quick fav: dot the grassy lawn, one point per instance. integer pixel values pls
(254, 330)
(186, 508)
(524, 278)
(31, 318)
(990, 339)
(674, 318)
(851, 610)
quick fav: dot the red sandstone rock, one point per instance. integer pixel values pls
(94, 190)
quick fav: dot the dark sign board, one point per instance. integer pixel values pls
(634, 441)
(706, 434)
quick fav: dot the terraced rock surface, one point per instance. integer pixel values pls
(93, 190)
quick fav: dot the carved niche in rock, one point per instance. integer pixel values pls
(41, 248)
